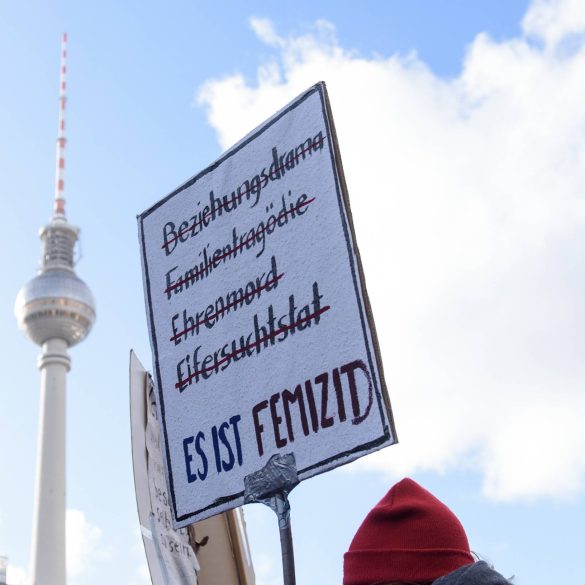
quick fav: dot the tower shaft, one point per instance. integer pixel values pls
(48, 543)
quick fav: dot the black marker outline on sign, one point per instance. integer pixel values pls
(359, 288)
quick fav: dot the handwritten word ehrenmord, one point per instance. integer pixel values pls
(225, 304)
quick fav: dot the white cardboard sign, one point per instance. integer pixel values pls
(171, 559)
(262, 338)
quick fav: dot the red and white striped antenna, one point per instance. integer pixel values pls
(59, 205)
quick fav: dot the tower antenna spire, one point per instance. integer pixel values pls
(59, 204)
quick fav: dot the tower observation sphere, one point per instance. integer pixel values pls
(56, 304)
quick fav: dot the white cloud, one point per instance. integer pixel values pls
(468, 197)
(84, 544)
(266, 572)
(15, 575)
(555, 20)
(142, 572)
(142, 575)
(265, 31)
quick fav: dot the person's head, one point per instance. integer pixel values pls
(408, 537)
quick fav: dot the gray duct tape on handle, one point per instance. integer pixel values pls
(272, 484)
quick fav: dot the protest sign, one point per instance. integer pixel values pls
(262, 337)
(171, 559)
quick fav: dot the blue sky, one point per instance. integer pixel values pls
(461, 122)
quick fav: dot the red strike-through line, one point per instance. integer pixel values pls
(182, 281)
(207, 213)
(181, 385)
(228, 306)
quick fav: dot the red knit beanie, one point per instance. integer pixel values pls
(409, 536)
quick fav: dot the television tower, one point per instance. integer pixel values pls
(55, 310)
